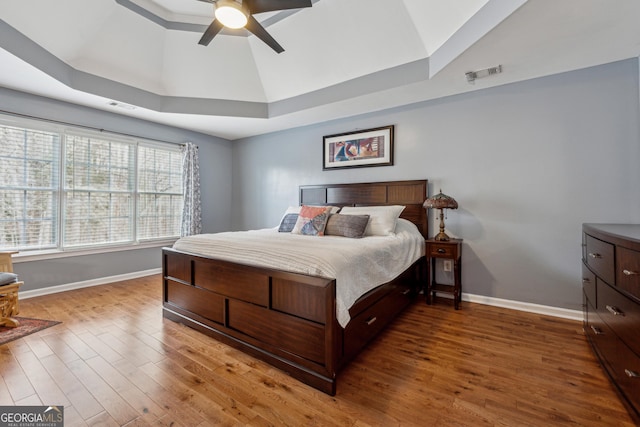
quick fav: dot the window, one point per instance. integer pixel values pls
(28, 188)
(159, 193)
(98, 191)
(69, 189)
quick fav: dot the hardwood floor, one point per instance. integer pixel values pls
(115, 361)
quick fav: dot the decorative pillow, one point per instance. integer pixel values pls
(383, 218)
(288, 222)
(285, 228)
(7, 278)
(347, 225)
(312, 220)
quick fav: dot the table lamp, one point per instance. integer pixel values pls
(441, 201)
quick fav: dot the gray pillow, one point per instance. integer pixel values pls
(346, 225)
(7, 278)
(288, 222)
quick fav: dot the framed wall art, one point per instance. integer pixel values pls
(362, 148)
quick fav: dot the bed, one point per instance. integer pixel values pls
(290, 319)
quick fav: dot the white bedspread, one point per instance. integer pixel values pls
(358, 265)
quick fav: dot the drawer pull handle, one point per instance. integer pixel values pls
(596, 331)
(586, 280)
(595, 255)
(441, 251)
(615, 311)
(370, 321)
(406, 291)
(631, 374)
(630, 273)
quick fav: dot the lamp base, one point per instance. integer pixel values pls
(441, 237)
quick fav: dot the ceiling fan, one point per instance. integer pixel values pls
(239, 13)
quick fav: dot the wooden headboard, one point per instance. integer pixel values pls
(411, 194)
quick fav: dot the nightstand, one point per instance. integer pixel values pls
(451, 250)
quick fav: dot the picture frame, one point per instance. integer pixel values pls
(362, 148)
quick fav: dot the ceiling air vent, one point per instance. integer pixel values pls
(121, 105)
(473, 75)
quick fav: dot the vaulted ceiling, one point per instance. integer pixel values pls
(141, 58)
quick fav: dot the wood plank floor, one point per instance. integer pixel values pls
(115, 361)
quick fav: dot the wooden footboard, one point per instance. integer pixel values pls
(286, 319)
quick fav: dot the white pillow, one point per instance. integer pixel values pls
(382, 221)
(292, 209)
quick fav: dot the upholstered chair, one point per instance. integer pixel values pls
(9, 286)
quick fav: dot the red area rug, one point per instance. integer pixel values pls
(26, 327)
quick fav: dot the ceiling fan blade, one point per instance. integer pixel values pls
(213, 29)
(208, 1)
(259, 6)
(256, 28)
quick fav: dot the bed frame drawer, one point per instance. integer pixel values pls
(201, 302)
(288, 333)
(366, 325)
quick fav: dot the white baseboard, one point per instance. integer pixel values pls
(87, 283)
(480, 299)
(565, 313)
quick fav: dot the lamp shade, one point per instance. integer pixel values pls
(441, 201)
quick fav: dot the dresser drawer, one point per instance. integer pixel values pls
(622, 364)
(600, 258)
(611, 253)
(589, 285)
(624, 367)
(620, 313)
(600, 335)
(628, 270)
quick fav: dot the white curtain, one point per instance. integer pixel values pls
(191, 213)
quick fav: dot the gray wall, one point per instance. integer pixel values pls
(527, 162)
(215, 159)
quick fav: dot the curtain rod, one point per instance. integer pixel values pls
(60, 122)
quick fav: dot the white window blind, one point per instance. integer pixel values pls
(159, 192)
(98, 191)
(68, 190)
(28, 188)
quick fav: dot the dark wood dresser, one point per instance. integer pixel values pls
(611, 293)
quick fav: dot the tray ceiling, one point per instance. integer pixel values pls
(341, 58)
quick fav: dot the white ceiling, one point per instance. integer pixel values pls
(342, 57)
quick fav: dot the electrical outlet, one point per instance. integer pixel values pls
(447, 265)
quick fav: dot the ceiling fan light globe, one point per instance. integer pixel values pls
(231, 14)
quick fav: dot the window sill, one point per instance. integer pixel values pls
(54, 253)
